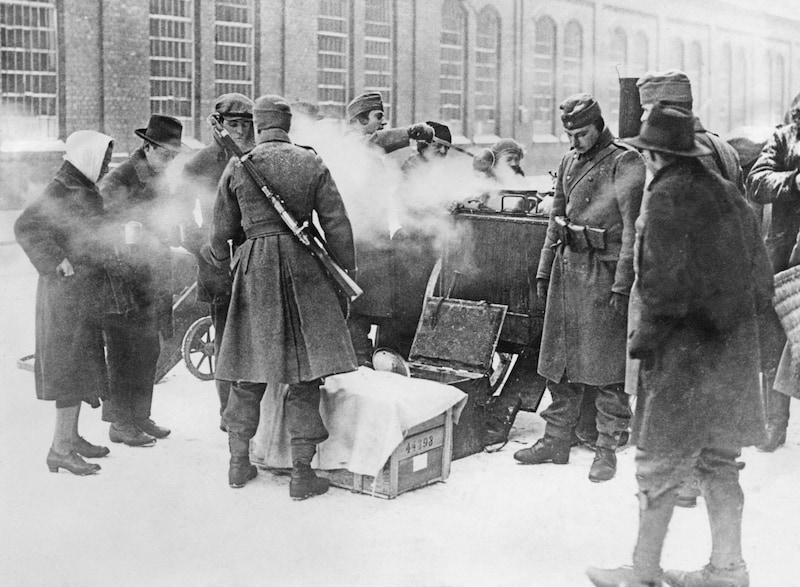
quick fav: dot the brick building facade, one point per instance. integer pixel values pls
(489, 68)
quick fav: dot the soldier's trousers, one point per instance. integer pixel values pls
(613, 410)
(219, 317)
(301, 411)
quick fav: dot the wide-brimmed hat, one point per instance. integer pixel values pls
(164, 131)
(440, 131)
(669, 129)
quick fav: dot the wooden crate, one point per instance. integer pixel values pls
(421, 459)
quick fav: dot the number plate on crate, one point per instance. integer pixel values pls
(422, 442)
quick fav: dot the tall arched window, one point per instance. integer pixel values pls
(694, 69)
(544, 71)
(333, 54)
(378, 51)
(618, 66)
(572, 73)
(172, 60)
(487, 73)
(738, 89)
(640, 57)
(452, 65)
(675, 58)
(724, 107)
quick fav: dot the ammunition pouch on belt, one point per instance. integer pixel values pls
(580, 238)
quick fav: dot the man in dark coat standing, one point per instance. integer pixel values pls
(285, 323)
(702, 276)
(585, 273)
(135, 193)
(774, 180)
(202, 173)
(372, 229)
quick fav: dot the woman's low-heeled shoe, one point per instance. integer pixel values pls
(88, 450)
(71, 462)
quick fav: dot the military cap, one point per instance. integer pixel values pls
(507, 145)
(665, 86)
(364, 104)
(579, 110)
(272, 111)
(233, 105)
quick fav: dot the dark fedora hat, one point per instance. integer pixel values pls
(669, 129)
(164, 131)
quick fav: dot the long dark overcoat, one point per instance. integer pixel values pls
(772, 180)
(284, 322)
(583, 336)
(66, 222)
(133, 192)
(702, 276)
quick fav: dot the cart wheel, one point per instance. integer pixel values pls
(198, 349)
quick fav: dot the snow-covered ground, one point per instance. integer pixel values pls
(165, 516)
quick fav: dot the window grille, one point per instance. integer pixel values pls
(544, 71)
(777, 88)
(234, 48)
(333, 31)
(172, 60)
(487, 73)
(739, 90)
(378, 51)
(452, 59)
(28, 70)
(573, 59)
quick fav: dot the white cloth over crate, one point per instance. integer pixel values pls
(367, 414)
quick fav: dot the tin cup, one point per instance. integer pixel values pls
(133, 232)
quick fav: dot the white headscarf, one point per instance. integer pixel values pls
(86, 150)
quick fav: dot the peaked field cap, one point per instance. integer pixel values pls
(579, 110)
(234, 105)
(440, 131)
(671, 85)
(364, 104)
(272, 111)
(669, 129)
(164, 131)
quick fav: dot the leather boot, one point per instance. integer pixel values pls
(654, 517)
(709, 576)
(546, 450)
(777, 421)
(305, 483)
(604, 465)
(619, 577)
(240, 472)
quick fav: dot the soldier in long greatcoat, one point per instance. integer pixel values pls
(285, 323)
(702, 277)
(586, 272)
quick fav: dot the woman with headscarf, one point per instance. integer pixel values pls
(63, 234)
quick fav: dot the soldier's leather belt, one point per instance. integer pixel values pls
(266, 228)
(580, 238)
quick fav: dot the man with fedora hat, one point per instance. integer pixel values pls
(201, 174)
(285, 324)
(372, 227)
(428, 151)
(701, 277)
(135, 192)
(585, 274)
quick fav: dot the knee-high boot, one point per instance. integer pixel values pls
(240, 471)
(654, 517)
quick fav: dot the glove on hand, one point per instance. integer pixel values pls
(483, 160)
(420, 132)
